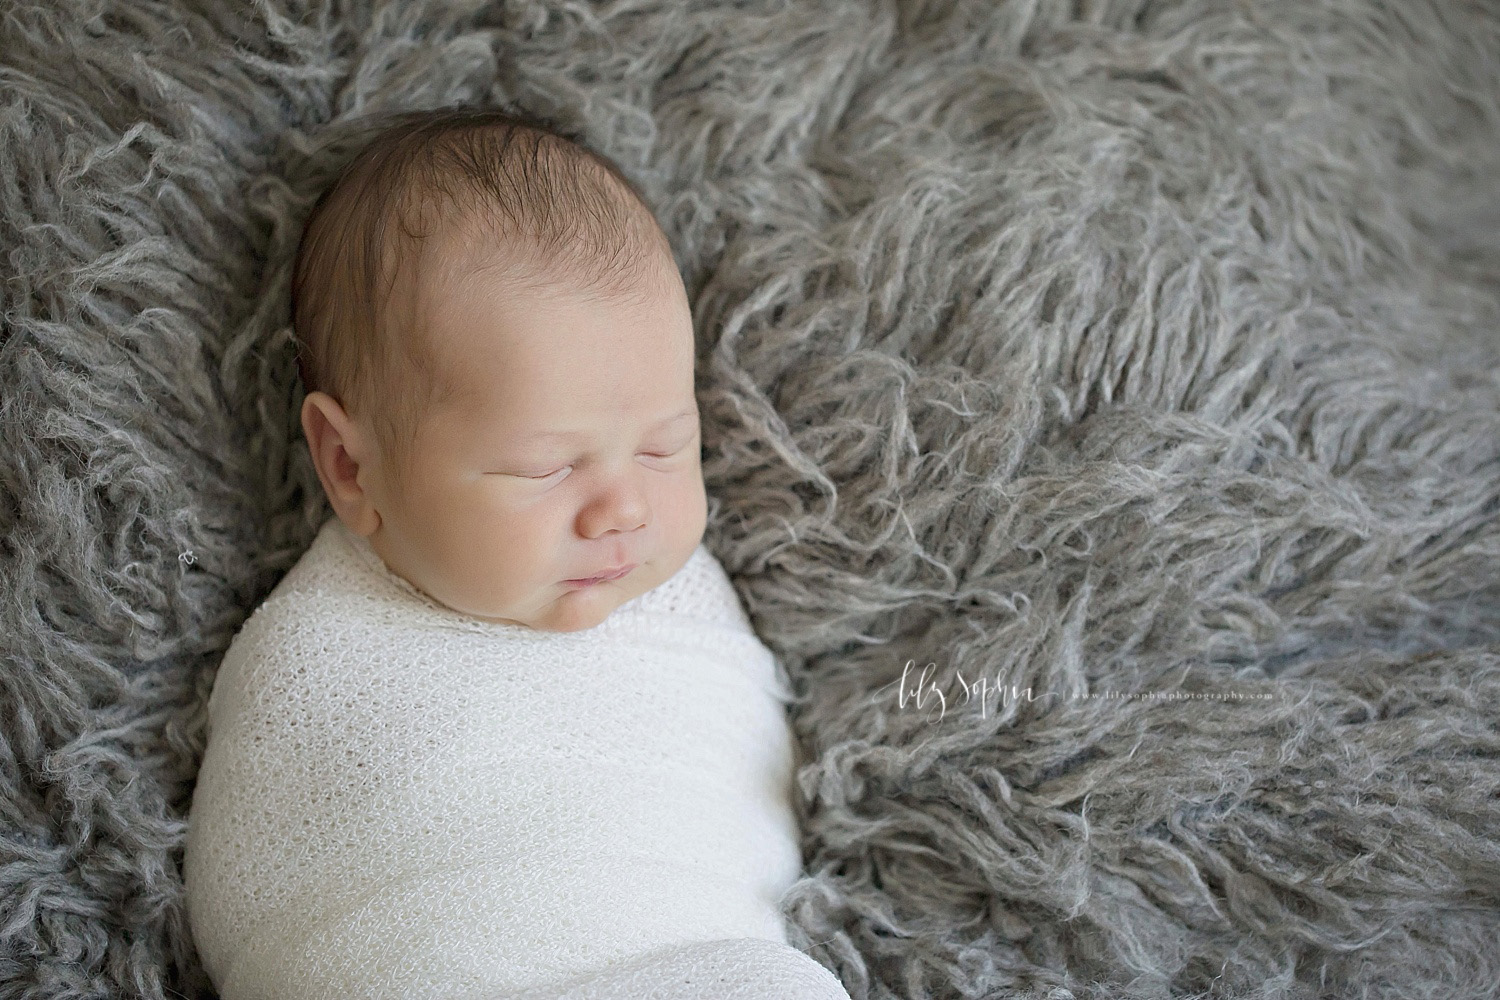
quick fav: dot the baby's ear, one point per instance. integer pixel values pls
(340, 449)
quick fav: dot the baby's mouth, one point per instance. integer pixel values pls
(603, 578)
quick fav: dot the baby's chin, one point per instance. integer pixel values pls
(573, 609)
(585, 607)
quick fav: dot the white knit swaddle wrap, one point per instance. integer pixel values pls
(398, 800)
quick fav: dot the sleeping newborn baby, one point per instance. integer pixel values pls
(504, 730)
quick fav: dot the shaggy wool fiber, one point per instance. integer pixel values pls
(1138, 359)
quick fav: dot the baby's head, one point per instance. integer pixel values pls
(497, 350)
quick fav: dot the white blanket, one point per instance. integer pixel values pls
(399, 800)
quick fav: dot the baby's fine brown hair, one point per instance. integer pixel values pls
(509, 194)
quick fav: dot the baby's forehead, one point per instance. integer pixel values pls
(522, 370)
(512, 312)
(523, 312)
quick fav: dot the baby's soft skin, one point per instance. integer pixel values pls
(498, 518)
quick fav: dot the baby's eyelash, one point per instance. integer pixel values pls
(648, 454)
(674, 451)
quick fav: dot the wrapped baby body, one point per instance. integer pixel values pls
(398, 800)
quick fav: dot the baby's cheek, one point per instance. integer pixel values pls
(690, 509)
(504, 550)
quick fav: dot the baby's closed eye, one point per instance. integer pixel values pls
(659, 455)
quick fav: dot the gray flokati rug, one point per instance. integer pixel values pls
(1140, 355)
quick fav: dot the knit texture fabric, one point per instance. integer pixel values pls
(400, 800)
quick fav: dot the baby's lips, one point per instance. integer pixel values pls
(607, 578)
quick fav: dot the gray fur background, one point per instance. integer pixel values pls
(1143, 355)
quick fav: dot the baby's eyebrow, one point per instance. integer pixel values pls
(680, 415)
